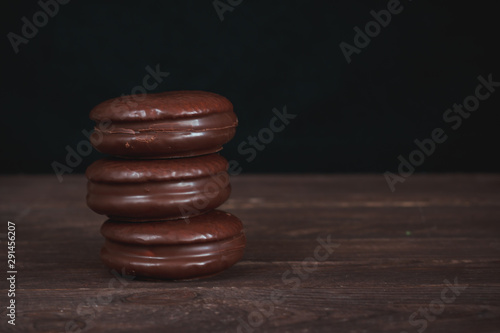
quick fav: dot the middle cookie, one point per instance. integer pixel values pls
(155, 190)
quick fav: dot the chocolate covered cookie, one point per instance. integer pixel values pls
(207, 245)
(163, 125)
(153, 190)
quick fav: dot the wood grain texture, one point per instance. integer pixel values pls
(395, 251)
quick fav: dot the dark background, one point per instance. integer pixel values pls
(356, 117)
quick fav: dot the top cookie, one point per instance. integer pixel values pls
(163, 125)
(165, 105)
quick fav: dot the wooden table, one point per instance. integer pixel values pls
(389, 267)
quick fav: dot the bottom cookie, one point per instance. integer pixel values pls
(181, 249)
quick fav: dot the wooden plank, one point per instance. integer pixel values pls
(395, 251)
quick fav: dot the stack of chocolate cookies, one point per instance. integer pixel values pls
(162, 185)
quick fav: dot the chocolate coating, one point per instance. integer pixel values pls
(209, 227)
(163, 125)
(207, 245)
(153, 190)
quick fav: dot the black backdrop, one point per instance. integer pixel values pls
(356, 117)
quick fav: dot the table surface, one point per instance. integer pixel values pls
(424, 258)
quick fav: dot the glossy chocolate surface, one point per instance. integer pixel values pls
(163, 125)
(165, 105)
(110, 170)
(205, 246)
(154, 190)
(209, 227)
